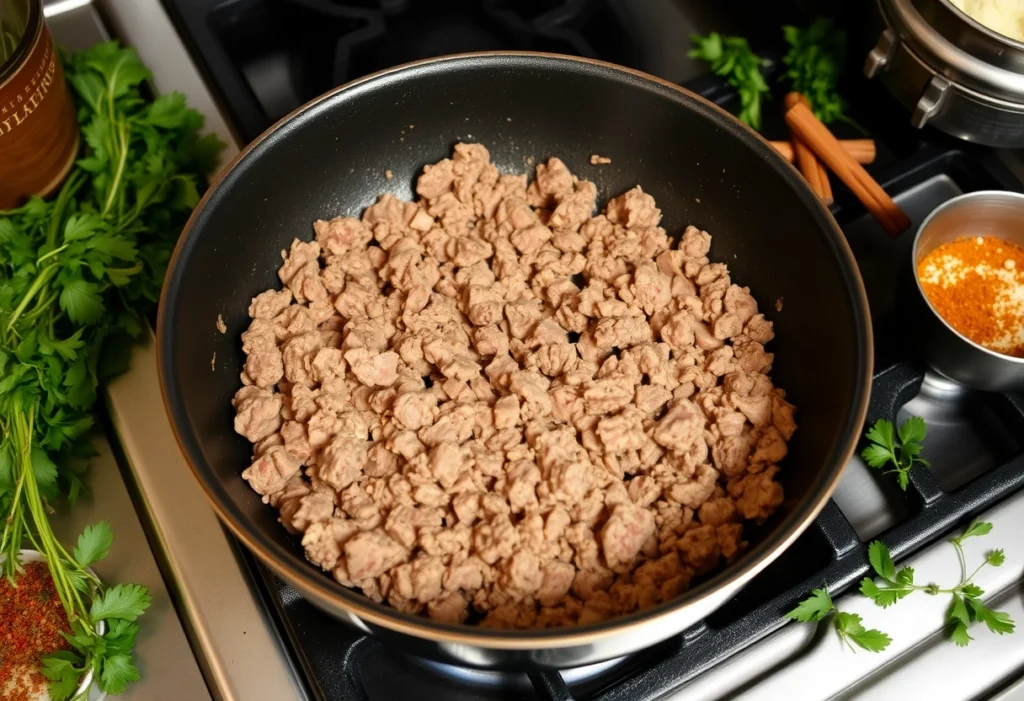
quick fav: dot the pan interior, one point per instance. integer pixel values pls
(701, 168)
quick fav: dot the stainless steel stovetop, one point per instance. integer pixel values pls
(209, 635)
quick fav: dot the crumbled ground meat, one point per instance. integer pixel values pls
(492, 405)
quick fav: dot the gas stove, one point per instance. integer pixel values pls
(246, 63)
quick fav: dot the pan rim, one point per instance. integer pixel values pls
(369, 612)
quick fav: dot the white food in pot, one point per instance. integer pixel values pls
(1003, 16)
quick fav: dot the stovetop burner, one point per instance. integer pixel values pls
(977, 459)
(269, 56)
(511, 681)
(287, 52)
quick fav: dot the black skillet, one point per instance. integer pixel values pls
(702, 166)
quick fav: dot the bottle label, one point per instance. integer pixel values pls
(38, 129)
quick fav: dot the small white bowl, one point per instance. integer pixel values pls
(95, 693)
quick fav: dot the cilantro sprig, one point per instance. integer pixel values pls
(884, 450)
(77, 275)
(965, 609)
(849, 626)
(966, 606)
(732, 58)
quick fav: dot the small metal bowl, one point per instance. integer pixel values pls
(987, 213)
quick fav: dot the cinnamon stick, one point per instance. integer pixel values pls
(862, 150)
(804, 157)
(826, 147)
(826, 186)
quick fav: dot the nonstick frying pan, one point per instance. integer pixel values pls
(702, 166)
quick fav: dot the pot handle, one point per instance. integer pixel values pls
(930, 101)
(882, 55)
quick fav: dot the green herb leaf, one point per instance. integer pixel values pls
(81, 227)
(813, 608)
(60, 669)
(975, 529)
(94, 543)
(119, 66)
(851, 627)
(882, 596)
(903, 479)
(958, 610)
(882, 435)
(45, 472)
(997, 621)
(972, 591)
(959, 635)
(117, 672)
(913, 431)
(995, 557)
(167, 111)
(732, 58)
(125, 601)
(82, 301)
(876, 455)
(905, 576)
(813, 65)
(883, 450)
(881, 561)
(121, 636)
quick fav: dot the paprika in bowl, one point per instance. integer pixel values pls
(967, 297)
(32, 623)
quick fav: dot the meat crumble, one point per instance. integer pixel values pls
(490, 405)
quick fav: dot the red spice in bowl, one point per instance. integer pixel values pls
(977, 285)
(31, 622)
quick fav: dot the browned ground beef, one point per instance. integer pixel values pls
(492, 401)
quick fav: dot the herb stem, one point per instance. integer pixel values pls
(41, 279)
(963, 561)
(51, 253)
(975, 572)
(122, 145)
(68, 190)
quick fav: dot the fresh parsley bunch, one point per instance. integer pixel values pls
(77, 275)
(732, 58)
(813, 64)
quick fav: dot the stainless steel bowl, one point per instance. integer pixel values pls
(987, 213)
(950, 71)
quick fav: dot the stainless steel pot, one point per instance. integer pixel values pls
(988, 213)
(950, 71)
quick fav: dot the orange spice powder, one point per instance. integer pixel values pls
(977, 285)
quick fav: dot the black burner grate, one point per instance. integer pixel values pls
(268, 57)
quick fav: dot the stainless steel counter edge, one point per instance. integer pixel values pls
(240, 655)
